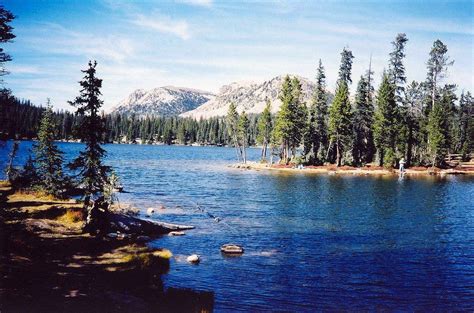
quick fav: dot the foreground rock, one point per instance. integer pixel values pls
(131, 225)
(193, 258)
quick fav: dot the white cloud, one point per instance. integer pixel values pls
(163, 24)
(23, 69)
(202, 3)
(60, 40)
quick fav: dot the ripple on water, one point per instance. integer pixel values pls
(333, 243)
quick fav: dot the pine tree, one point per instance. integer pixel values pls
(298, 118)
(437, 67)
(396, 70)
(466, 124)
(363, 118)
(291, 119)
(340, 112)
(6, 35)
(283, 123)
(265, 129)
(345, 68)
(412, 112)
(242, 131)
(340, 121)
(89, 162)
(386, 123)
(437, 137)
(49, 159)
(439, 126)
(316, 139)
(232, 120)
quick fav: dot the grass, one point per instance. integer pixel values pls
(144, 260)
(72, 216)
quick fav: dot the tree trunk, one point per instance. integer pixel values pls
(264, 150)
(409, 147)
(244, 155)
(329, 148)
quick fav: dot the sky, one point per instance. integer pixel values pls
(205, 44)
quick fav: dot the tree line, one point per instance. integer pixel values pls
(23, 120)
(420, 122)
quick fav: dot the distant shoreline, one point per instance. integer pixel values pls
(348, 170)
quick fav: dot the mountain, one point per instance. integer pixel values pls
(162, 101)
(248, 96)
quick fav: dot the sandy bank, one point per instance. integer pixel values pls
(348, 170)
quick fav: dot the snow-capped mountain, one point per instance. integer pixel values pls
(248, 96)
(162, 101)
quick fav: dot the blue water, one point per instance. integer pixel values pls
(313, 242)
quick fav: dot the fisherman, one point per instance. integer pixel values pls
(402, 166)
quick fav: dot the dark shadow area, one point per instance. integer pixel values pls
(71, 272)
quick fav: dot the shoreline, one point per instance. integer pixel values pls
(348, 170)
(49, 265)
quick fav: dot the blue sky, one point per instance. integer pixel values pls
(207, 43)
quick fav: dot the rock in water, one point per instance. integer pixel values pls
(232, 249)
(193, 258)
(176, 233)
(150, 211)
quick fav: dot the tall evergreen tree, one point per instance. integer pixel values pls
(243, 130)
(466, 125)
(265, 129)
(386, 123)
(340, 121)
(363, 145)
(291, 119)
(396, 70)
(345, 69)
(89, 162)
(439, 126)
(232, 121)
(437, 67)
(412, 114)
(283, 123)
(49, 159)
(299, 114)
(6, 35)
(316, 141)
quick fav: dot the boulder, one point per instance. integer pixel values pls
(193, 258)
(140, 227)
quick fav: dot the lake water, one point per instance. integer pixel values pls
(312, 242)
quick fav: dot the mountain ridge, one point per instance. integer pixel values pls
(248, 96)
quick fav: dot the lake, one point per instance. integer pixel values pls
(312, 242)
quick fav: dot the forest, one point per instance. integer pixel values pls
(420, 121)
(24, 118)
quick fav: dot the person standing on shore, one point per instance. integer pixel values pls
(402, 165)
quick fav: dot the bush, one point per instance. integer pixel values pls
(389, 159)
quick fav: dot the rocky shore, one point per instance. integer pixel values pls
(47, 264)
